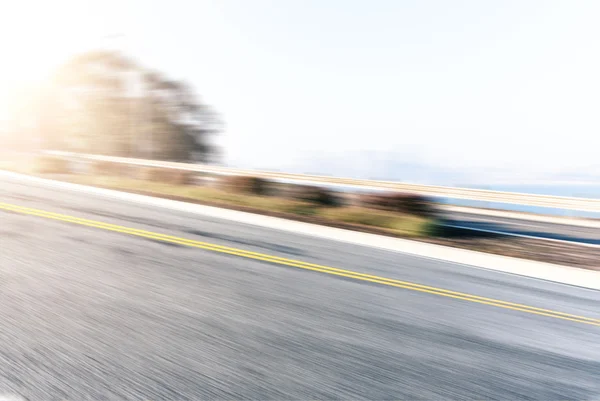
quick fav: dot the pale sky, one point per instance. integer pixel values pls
(474, 84)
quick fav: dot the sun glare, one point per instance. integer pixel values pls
(36, 36)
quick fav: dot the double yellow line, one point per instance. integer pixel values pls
(299, 264)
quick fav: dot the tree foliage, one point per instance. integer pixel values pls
(102, 102)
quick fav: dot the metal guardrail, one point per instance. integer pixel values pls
(558, 202)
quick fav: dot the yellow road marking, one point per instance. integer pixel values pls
(302, 265)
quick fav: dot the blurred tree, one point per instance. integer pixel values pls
(102, 102)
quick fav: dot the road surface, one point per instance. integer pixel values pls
(141, 303)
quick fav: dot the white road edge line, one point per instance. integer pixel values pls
(545, 271)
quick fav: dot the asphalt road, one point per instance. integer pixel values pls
(92, 314)
(563, 232)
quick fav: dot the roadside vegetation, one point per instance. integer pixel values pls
(403, 215)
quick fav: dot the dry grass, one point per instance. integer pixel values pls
(401, 224)
(27, 164)
(174, 184)
(404, 224)
(161, 175)
(244, 185)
